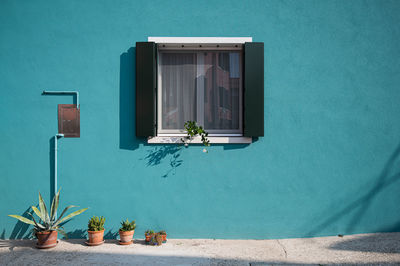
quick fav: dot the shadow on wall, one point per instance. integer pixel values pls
(127, 117)
(21, 230)
(127, 99)
(77, 234)
(389, 175)
(383, 243)
(160, 152)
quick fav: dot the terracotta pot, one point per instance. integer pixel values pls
(164, 238)
(96, 237)
(159, 239)
(47, 239)
(148, 237)
(126, 236)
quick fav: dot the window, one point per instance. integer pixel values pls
(200, 85)
(217, 82)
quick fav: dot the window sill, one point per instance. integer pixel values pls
(197, 140)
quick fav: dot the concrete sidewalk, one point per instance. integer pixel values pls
(367, 249)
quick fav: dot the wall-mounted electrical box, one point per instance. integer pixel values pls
(69, 120)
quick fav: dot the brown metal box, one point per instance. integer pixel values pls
(68, 120)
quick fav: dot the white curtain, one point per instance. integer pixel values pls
(178, 80)
(203, 86)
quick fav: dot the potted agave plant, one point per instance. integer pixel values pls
(126, 232)
(148, 234)
(46, 229)
(96, 231)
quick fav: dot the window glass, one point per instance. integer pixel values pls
(203, 86)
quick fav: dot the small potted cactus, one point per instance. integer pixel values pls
(164, 235)
(148, 234)
(126, 232)
(156, 239)
(96, 231)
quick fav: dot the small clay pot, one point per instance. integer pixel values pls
(95, 237)
(126, 236)
(164, 238)
(159, 239)
(148, 237)
(46, 239)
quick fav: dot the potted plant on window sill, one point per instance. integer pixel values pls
(48, 227)
(193, 130)
(126, 232)
(96, 231)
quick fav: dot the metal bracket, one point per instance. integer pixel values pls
(65, 93)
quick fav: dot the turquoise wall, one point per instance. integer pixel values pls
(330, 159)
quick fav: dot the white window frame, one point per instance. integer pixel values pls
(198, 43)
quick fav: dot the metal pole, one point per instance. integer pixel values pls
(55, 165)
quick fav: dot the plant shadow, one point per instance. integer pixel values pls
(160, 152)
(21, 230)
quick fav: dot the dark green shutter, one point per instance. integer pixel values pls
(253, 89)
(146, 89)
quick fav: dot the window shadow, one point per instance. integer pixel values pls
(389, 175)
(127, 100)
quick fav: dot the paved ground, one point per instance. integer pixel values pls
(366, 249)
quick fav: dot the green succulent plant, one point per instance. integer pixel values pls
(48, 222)
(96, 223)
(128, 226)
(193, 130)
(149, 232)
(162, 232)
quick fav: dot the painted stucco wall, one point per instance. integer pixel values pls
(330, 159)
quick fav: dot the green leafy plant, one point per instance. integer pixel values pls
(149, 232)
(49, 222)
(193, 130)
(128, 226)
(162, 232)
(96, 223)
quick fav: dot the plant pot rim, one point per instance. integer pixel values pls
(96, 232)
(46, 232)
(126, 232)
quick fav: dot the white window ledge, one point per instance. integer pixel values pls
(197, 140)
(199, 39)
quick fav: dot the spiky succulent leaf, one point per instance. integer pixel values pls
(75, 213)
(64, 211)
(54, 205)
(39, 226)
(43, 209)
(38, 213)
(22, 219)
